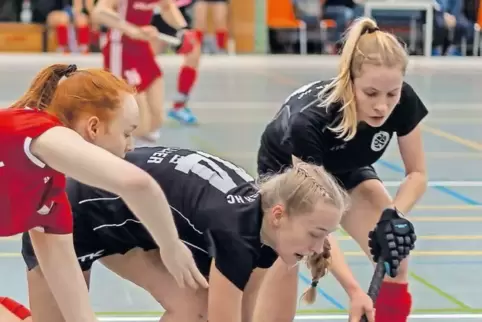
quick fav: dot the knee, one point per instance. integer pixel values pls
(81, 20)
(182, 313)
(56, 18)
(183, 307)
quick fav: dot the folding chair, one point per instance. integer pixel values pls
(281, 16)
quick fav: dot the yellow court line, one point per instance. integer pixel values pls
(452, 137)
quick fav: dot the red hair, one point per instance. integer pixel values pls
(89, 91)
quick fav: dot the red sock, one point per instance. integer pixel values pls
(222, 39)
(62, 35)
(16, 308)
(95, 37)
(200, 36)
(394, 303)
(83, 35)
(187, 78)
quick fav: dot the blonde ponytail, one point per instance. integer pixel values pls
(362, 40)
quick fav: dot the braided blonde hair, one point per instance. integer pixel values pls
(299, 189)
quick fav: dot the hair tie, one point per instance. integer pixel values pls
(314, 283)
(370, 30)
(72, 68)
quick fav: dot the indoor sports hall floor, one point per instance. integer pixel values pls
(237, 96)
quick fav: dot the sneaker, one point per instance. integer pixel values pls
(183, 115)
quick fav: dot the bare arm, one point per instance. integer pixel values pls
(250, 294)
(415, 183)
(57, 259)
(67, 152)
(340, 269)
(172, 15)
(104, 13)
(224, 300)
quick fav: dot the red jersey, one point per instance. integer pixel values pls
(32, 195)
(137, 12)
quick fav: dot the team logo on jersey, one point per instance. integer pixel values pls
(45, 209)
(380, 141)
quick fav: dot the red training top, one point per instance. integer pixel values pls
(32, 195)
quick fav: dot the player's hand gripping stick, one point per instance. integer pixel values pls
(376, 283)
(392, 239)
(390, 242)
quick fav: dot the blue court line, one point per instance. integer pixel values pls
(320, 291)
(448, 191)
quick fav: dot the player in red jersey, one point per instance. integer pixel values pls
(128, 53)
(79, 127)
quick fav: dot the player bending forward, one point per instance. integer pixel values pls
(128, 54)
(76, 127)
(235, 228)
(345, 124)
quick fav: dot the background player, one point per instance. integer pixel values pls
(61, 14)
(345, 124)
(219, 10)
(128, 53)
(54, 129)
(232, 227)
(189, 69)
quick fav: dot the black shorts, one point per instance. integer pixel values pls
(164, 28)
(96, 237)
(348, 180)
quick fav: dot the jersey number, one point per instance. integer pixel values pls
(216, 176)
(2, 164)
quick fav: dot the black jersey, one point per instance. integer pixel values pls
(301, 128)
(216, 208)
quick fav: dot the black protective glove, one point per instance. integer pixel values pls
(392, 239)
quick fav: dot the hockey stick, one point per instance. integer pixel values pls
(172, 40)
(376, 283)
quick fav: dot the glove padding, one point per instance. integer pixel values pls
(392, 239)
(188, 41)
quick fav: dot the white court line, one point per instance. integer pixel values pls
(317, 317)
(440, 183)
(315, 62)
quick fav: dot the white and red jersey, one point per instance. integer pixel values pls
(136, 12)
(31, 194)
